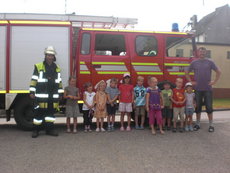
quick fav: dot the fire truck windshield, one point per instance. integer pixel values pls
(178, 47)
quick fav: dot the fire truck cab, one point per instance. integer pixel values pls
(103, 54)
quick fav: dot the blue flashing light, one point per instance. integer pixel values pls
(175, 27)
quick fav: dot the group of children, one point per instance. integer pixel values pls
(162, 106)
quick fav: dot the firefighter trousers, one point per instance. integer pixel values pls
(44, 119)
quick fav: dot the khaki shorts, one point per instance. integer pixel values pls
(72, 111)
(178, 112)
(140, 110)
(125, 107)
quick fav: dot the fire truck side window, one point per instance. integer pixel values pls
(85, 44)
(178, 47)
(108, 44)
(146, 46)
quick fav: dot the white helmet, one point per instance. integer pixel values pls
(50, 50)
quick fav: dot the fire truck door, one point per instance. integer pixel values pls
(109, 56)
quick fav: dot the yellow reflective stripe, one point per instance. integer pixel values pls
(82, 62)
(58, 80)
(179, 73)
(40, 22)
(123, 30)
(49, 119)
(175, 64)
(177, 33)
(3, 22)
(2, 92)
(35, 77)
(150, 73)
(80, 101)
(33, 83)
(42, 95)
(60, 91)
(84, 72)
(108, 63)
(37, 122)
(112, 72)
(33, 89)
(140, 63)
(19, 91)
(55, 105)
(43, 105)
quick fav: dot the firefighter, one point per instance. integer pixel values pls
(46, 90)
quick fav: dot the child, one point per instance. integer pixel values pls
(112, 95)
(153, 104)
(178, 99)
(88, 106)
(71, 93)
(100, 100)
(139, 102)
(190, 106)
(167, 110)
(126, 99)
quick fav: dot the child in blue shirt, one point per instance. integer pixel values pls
(139, 102)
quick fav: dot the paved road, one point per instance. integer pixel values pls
(117, 152)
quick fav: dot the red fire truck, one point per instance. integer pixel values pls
(91, 54)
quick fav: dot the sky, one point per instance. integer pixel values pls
(151, 14)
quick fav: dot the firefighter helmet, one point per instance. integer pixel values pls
(50, 50)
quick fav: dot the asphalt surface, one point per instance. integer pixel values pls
(117, 152)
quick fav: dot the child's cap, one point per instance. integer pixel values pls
(97, 85)
(126, 75)
(188, 84)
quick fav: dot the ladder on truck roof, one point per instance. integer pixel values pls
(106, 22)
(77, 21)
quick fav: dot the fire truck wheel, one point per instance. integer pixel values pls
(23, 113)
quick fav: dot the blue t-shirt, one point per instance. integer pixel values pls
(203, 72)
(139, 94)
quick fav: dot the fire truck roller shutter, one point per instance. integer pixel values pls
(27, 48)
(2, 59)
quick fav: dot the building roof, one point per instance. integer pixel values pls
(215, 26)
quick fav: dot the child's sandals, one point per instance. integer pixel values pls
(68, 131)
(74, 130)
(153, 132)
(162, 132)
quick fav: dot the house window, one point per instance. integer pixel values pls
(208, 54)
(110, 45)
(191, 53)
(179, 52)
(146, 45)
(85, 45)
(228, 54)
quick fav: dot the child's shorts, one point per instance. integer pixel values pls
(178, 112)
(125, 107)
(111, 110)
(72, 111)
(140, 110)
(167, 112)
(189, 111)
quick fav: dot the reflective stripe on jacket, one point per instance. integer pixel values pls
(45, 88)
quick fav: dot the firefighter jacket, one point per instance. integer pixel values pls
(46, 85)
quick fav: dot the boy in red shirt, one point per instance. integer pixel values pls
(126, 99)
(178, 100)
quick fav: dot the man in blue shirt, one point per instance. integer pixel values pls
(202, 68)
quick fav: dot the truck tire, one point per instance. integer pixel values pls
(23, 113)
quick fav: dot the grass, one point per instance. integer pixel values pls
(221, 103)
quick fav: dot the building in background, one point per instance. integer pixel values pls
(213, 32)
